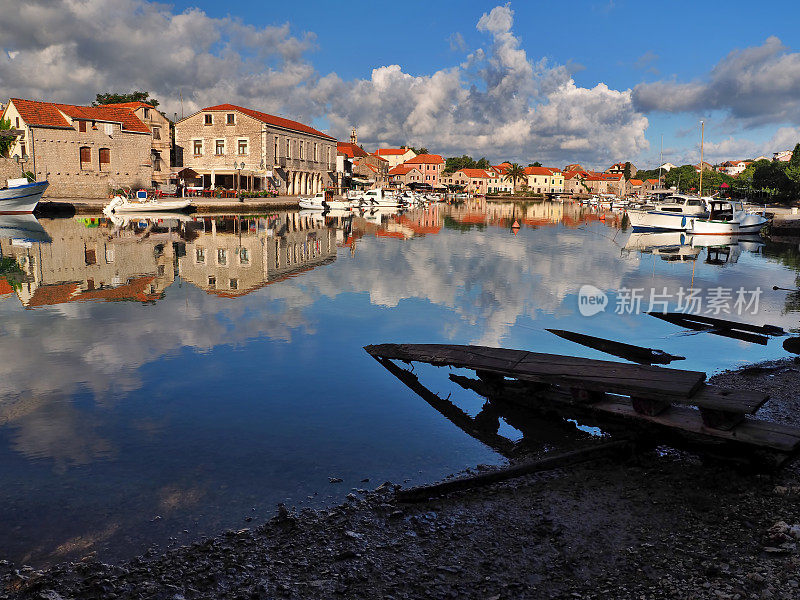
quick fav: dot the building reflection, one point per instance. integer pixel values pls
(233, 256)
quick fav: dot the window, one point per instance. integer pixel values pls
(242, 147)
(22, 149)
(200, 256)
(219, 147)
(209, 119)
(109, 127)
(222, 256)
(315, 151)
(198, 147)
(90, 256)
(82, 126)
(234, 284)
(86, 157)
(105, 157)
(300, 151)
(156, 133)
(230, 119)
(16, 121)
(244, 256)
(276, 147)
(212, 281)
(288, 149)
(155, 159)
(146, 113)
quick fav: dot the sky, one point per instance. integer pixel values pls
(594, 82)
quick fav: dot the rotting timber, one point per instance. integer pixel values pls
(650, 405)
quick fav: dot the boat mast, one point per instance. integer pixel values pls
(702, 131)
(660, 160)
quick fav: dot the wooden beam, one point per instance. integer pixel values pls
(422, 493)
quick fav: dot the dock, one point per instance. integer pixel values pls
(653, 405)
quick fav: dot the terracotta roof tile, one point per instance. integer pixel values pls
(48, 295)
(427, 159)
(350, 150)
(49, 114)
(269, 119)
(391, 151)
(538, 171)
(5, 287)
(476, 173)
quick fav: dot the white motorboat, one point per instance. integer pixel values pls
(21, 196)
(728, 217)
(143, 204)
(324, 201)
(668, 245)
(379, 198)
(676, 213)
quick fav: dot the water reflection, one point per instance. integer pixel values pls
(196, 368)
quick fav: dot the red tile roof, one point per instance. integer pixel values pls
(537, 171)
(134, 289)
(269, 119)
(47, 295)
(655, 181)
(401, 169)
(350, 150)
(49, 114)
(635, 181)
(427, 159)
(476, 173)
(391, 151)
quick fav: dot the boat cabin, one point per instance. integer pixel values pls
(724, 210)
(682, 205)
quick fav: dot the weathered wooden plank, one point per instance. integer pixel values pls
(568, 371)
(638, 354)
(728, 400)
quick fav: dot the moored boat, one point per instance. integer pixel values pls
(728, 217)
(21, 196)
(676, 213)
(143, 204)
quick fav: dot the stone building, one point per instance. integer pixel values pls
(402, 175)
(233, 147)
(431, 166)
(83, 151)
(161, 149)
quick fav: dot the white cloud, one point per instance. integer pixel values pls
(498, 101)
(755, 86)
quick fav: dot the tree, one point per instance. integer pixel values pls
(535, 164)
(116, 98)
(5, 142)
(417, 151)
(626, 172)
(514, 173)
(483, 163)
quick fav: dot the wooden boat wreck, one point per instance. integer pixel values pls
(648, 405)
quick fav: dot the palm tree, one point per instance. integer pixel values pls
(514, 173)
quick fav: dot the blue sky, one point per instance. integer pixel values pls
(474, 77)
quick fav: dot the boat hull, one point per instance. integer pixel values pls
(22, 199)
(159, 206)
(657, 220)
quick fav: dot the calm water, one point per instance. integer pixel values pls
(169, 379)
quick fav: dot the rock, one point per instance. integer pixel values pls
(353, 535)
(335, 479)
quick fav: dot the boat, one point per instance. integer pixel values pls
(21, 196)
(675, 213)
(379, 198)
(728, 217)
(143, 204)
(324, 201)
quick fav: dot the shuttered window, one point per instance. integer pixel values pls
(82, 126)
(105, 156)
(86, 157)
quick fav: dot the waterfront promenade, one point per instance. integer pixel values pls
(89, 206)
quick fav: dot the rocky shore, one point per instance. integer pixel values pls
(660, 525)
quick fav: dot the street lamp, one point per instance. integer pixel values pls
(238, 168)
(23, 160)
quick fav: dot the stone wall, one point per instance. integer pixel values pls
(8, 170)
(57, 157)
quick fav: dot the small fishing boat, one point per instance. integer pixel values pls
(728, 217)
(21, 196)
(142, 204)
(676, 213)
(23, 227)
(324, 201)
(379, 198)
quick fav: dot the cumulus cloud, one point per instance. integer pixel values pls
(755, 86)
(497, 101)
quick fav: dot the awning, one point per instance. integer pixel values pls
(363, 181)
(186, 173)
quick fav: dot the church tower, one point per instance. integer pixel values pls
(354, 137)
